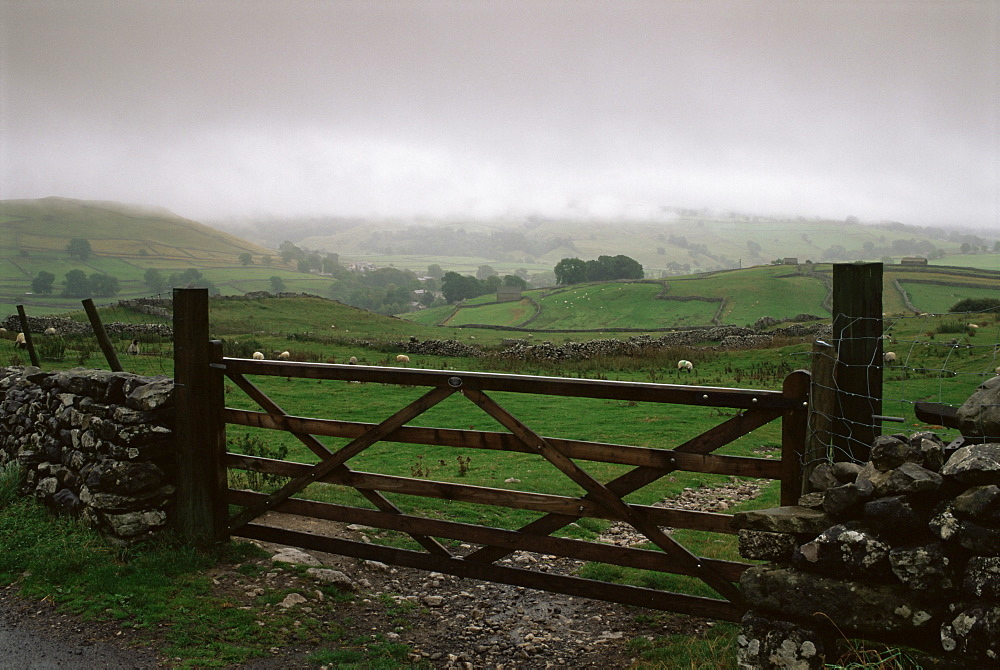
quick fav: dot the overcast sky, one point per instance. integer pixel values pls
(876, 109)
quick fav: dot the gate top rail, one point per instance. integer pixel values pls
(708, 396)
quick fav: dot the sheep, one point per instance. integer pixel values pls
(258, 356)
(19, 342)
(402, 358)
(889, 357)
(686, 366)
(973, 325)
(3, 331)
(353, 360)
(284, 356)
(997, 370)
(50, 331)
(133, 349)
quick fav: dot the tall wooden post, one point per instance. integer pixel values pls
(199, 431)
(857, 334)
(23, 318)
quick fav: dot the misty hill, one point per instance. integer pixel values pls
(692, 241)
(113, 229)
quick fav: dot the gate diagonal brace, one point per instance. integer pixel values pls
(605, 497)
(338, 458)
(318, 448)
(634, 480)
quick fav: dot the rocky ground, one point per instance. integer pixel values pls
(444, 621)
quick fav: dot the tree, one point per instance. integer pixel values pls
(266, 259)
(457, 287)
(289, 252)
(434, 270)
(78, 248)
(246, 258)
(302, 265)
(331, 262)
(42, 283)
(485, 271)
(76, 285)
(103, 285)
(570, 271)
(277, 284)
(514, 280)
(154, 280)
(192, 278)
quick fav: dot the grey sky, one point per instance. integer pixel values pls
(882, 110)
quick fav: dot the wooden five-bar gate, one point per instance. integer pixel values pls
(204, 499)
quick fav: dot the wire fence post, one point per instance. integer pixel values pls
(28, 343)
(102, 336)
(857, 333)
(199, 429)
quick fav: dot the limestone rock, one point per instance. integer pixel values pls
(294, 556)
(763, 643)
(330, 576)
(890, 451)
(896, 518)
(982, 577)
(979, 416)
(822, 478)
(845, 550)
(975, 464)
(760, 545)
(973, 630)
(790, 519)
(871, 608)
(922, 568)
(979, 503)
(846, 501)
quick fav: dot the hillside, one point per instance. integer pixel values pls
(689, 242)
(114, 229)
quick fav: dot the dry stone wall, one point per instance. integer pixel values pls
(903, 549)
(94, 443)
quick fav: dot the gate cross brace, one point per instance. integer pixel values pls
(339, 457)
(603, 496)
(318, 448)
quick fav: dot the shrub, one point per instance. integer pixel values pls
(975, 305)
(251, 445)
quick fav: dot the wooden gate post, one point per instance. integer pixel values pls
(200, 431)
(857, 335)
(794, 429)
(102, 336)
(822, 408)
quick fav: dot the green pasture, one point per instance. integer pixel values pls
(495, 314)
(938, 299)
(976, 261)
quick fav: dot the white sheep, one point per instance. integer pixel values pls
(258, 356)
(284, 356)
(3, 331)
(889, 357)
(997, 370)
(684, 365)
(133, 349)
(402, 358)
(19, 342)
(353, 360)
(973, 325)
(50, 331)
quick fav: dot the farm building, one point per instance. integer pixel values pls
(913, 260)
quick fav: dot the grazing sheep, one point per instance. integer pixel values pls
(997, 371)
(3, 331)
(284, 356)
(133, 349)
(50, 331)
(19, 342)
(889, 357)
(258, 356)
(686, 366)
(353, 360)
(402, 358)
(973, 325)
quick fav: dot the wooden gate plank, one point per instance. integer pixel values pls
(338, 458)
(582, 550)
(605, 497)
(318, 448)
(736, 466)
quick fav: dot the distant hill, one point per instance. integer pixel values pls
(114, 229)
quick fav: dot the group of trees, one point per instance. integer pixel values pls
(97, 285)
(190, 278)
(605, 268)
(456, 287)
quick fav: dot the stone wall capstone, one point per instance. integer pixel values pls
(94, 443)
